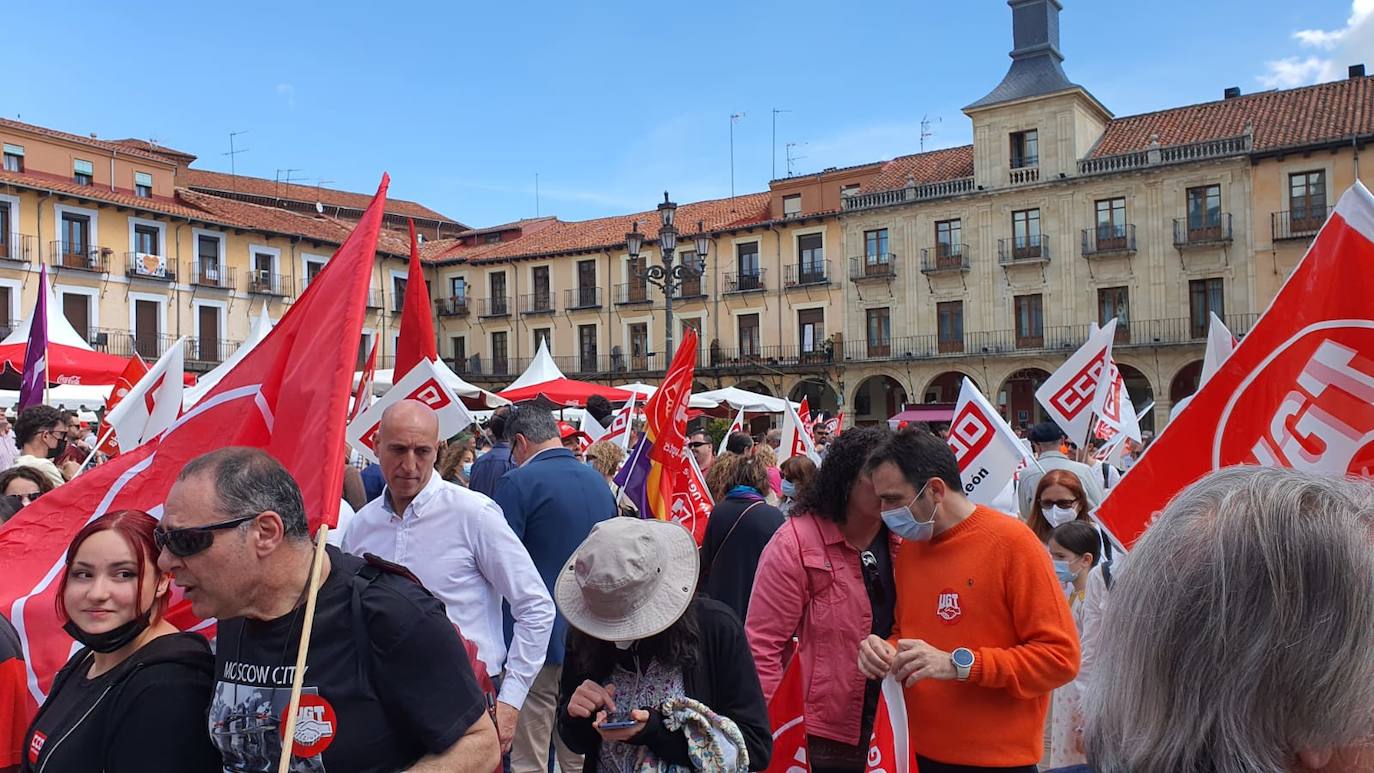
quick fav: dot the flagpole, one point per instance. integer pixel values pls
(98, 443)
(298, 679)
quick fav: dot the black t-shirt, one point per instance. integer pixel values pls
(412, 693)
(146, 715)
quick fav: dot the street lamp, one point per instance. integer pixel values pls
(668, 277)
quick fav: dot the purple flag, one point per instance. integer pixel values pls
(633, 478)
(36, 355)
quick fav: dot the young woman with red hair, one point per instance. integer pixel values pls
(134, 697)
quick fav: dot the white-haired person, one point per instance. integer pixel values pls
(1240, 637)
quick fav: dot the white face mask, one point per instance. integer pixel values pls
(1057, 516)
(623, 645)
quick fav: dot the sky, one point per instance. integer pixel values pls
(609, 104)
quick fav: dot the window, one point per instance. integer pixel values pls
(949, 243)
(145, 239)
(207, 260)
(398, 292)
(1115, 302)
(639, 346)
(852, 189)
(143, 185)
(949, 317)
(460, 353)
(1025, 149)
(1205, 297)
(14, 158)
(876, 246)
(543, 335)
(77, 309)
(313, 269)
(208, 344)
(457, 288)
(695, 326)
(748, 262)
(491, 238)
(1025, 234)
(497, 282)
(146, 323)
(499, 364)
(76, 240)
(811, 330)
(586, 348)
(1030, 321)
(879, 332)
(791, 205)
(749, 344)
(1307, 200)
(637, 290)
(83, 172)
(691, 282)
(1204, 213)
(264, 274)
(7, 248)
(543, 296)
(1111, 224)
(586, 283)
(811, 254)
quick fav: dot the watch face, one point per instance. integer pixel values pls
(962, 658)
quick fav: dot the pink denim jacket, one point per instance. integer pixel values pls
(809, 584)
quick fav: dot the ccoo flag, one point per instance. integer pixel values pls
(988, 452)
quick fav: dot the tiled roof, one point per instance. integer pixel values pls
(258, 217)
(172, 154)
(932, 166)
(206, 180)
(1311, 115)
(453, 250)
(101, 193)
(105, 145)
(588, 235)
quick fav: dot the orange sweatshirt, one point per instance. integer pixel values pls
(986, 584)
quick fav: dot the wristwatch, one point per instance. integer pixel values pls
(962, 658)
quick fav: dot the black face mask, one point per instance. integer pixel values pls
(57, 450)
(111, 640)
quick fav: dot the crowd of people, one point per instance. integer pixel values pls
(493, 601)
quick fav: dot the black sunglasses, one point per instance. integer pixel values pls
(193, 539)
(19, 500)
(698, 444)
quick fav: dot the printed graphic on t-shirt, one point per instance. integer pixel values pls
(248, 719)
(948, 606)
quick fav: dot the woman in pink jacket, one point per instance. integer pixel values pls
(826, 578)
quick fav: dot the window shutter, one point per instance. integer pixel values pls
(14, 150)
(143, 178)
(83, 167)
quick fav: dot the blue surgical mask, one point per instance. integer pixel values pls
(467, 469)
(1061, 568)
(789, 489)
(902, 521)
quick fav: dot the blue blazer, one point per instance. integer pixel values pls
(552, 503)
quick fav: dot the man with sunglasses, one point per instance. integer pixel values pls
(700, 444)
(388, 685)
(42, 436)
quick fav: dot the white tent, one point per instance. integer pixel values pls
(383, 379)
(541, 370)
(645, 391)
(257, 331)
(60, 331)
(751, 402)
(77, 397)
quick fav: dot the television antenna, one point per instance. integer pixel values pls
(791, 158)
(232, 154)
(926, 121)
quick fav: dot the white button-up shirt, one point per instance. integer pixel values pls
(459, 544)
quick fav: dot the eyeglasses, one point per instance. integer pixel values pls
(193, 539)
(19, 500)
(1064, 503)
(869, 562)
(60, 433)
(698, 444)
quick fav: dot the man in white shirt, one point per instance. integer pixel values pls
(461, 547)
(42, 436)
(9, 450)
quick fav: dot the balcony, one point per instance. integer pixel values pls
(1108, 240)
(16, 248)
(806, 274)
(374, 299)
(880, 266)
(621, 362)
(268, 283)
(451, 307)
(1298, 223)
(1163, 155)
(537, 303)
(212, 275)
(1024, 175)
(152, 268)
(689, 290)
(1202, 232)
(751, 358)
(745, 281)
(1020, 250)
(912, 192)
(208, 352)
(80, 256)
(123, 343)
(945, 259)
(582, 298)
(495, 307)
(630, 293)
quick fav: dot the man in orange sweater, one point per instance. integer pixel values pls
(983, 632)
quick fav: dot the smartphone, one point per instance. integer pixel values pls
(618, 721)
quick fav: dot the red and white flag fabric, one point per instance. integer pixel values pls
(835, 425)
(1297, 392)
(621, 424)
(735, 426)
(692, 504)
(423, 383)
(1220, 344)
(1069, 394)
(288, 396)
(362, 396)
(592, 428)
(804, 413)
(796, 439)
(416, 340)
(154, 403)
(787, 718)
(890, 750)
(1115, 413)
(132, 373)
(988, 452)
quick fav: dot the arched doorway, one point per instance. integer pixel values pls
(1141, 393)
(877, 398)
(1185, 382)
(1016, 398)
(820, 397)
(944, 388)
(757, 387)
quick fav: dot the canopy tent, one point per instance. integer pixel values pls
(645, 391)
(735, 399)
(71, 360)
(74, 397)
(257, 331)
(930, 412)
(472, 396)
(542, 380)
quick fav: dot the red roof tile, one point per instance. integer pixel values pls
(243, 214)
(117, 146)
(208, 181)
(172, 154)
(929, 167)
(100, 193)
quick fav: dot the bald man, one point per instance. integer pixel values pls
(461, 547)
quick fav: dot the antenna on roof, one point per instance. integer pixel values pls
(233, 168)
(279, 180)
(925, 130)
(734, 119)
(775, 141)
(790, 157)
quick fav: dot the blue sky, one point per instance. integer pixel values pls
(611, 103)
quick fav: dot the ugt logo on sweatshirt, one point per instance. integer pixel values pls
(947, 608)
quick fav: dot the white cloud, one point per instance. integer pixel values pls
(288, 91)
(1352, 44)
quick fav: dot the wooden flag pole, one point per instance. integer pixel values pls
(298, 679)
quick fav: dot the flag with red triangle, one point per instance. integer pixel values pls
(416, 341)
(132, 373)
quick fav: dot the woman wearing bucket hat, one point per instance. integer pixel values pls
(643, 644)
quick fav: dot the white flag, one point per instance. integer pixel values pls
(592, 428)
(153, 404)
(621, 422)
(796, 441)
(423, 383)
(1115, 414)
(988, 452)
(735, 426)
(1069, 393)
(1220, 344)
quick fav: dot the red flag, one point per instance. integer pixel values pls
(787, 717)
(132, 373)
(804, 413)
(1298, 392)
(651, 475)
(364, 391)
(416, 341)
(692, 504)
(288, 396)
(889, 751)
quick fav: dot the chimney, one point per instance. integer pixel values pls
(1357, 70)
(1231, 92)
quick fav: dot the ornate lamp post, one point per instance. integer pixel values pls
(668, 277)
